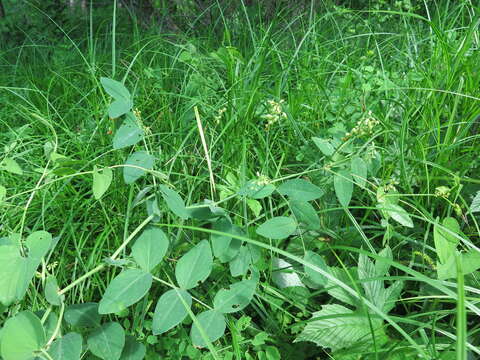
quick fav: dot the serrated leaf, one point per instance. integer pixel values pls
(306, 214)
(150, 248)
(225, 248)
(83, 315)
(212, 323)
(343, 184)
(68, 347)
(445, 242)
(318, 261)
(174, 202)
(22, 336)
(397, 213)
(195, 266)
(359, 168)
(170, 310)
(337, 327)
(256, 189)
(101, 181)
(278, 228)
(324, 145)
(10, 165)
(136, 166)
(51, 291)
(125, 290)
(300, 190)
(236, 298)
(133, 350)
(128, 134)
(107, 341)
(284, 275)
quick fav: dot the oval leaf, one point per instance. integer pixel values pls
(236, 298)
(107, 341)
(324, 145)
(101, 181)
(174, 202)
(150, 248)
(279, 227)
(343, 184)
(136, 165)
(128, 134)
(125, 290)
(397, 213)
(83, 315)
(213, 325)
(195, 266)
(51, 291)
(301, 190)
(305, 213)
(170, 310)
(68, 347)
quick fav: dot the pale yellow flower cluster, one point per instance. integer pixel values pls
(219, 115)
(364, 126)
(275, 113)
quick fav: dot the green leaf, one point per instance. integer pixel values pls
(445, 242)
(174, 202)
(136, 165)
(359, 171)
(68, 347)
(3, 194)
(256, 189)
(305, 213)
(318, 261)
(123, 99)
(225, 248)
(125, 290)
(10, 165)
(195, 266)
(133, 350)
(16, 271)
(83, 315)
(119, 107)
(128, 134)
(51, 291)
(343, 184)
(213, 325)
(279, 227)
(236, 298)
(324, 145)
(397, 213)
(252, 204)
(337, 327)
(246, 256)
(150, 248)
(170, 310)
(101, 181)
(475, 206)
(470, 262)
(284, 275)
(107, 341)
(22, 335)
(300, 190)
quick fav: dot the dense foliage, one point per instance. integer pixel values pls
(239, 180)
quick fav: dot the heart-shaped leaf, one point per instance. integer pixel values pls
(125, 290)
(300, 190)
(68, 347)
(136, 166)
(101, 181)
(170, 310)
(236, 298)
(128, 134)
(107, 341)
(195, 266)
(278, 228)
(150, 248)
(212, 324)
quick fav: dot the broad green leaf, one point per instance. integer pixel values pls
(51, 291)
(195, 266)
(68, 347)
(206, 210)
(150, 248)
(83, 315)
(300, 190)
(22, 335)
(470, 262)
(305, 213)
(107, 341)
(324, 145)
(284, 275)
(397, 213)
(446, 242)
(343, 184)
(236, 298)
(125, 290)
(359, 171)
(123, 100)
(10, 165)
(170, 310)
(225, 248)
(101, 181)
(256, 189)
(247, 255)
(136, 165)
(119, 107)
(128, 134)
(318, 261)
(174, 202)
(337, 327)
(279, 227)
(133, 350)
(16, 271)
(213, 325)
(475, 206)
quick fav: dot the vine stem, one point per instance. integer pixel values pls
(57, 328)
(112, 258)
